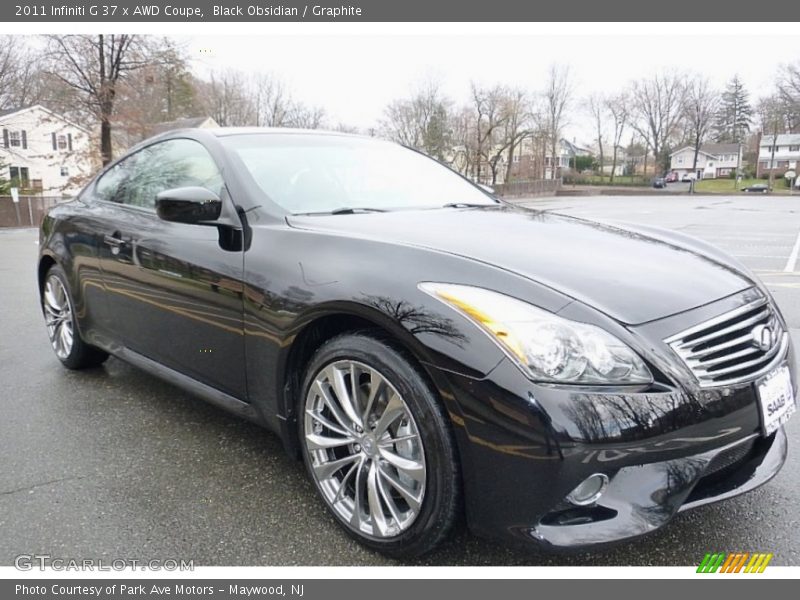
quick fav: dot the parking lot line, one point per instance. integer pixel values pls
(792, 261)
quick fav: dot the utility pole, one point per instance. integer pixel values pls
(772, 157)
(738, 165)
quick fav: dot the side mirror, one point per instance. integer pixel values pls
(487, 188)
(188, 205)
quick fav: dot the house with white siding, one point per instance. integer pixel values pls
(42, 152)
(713, 160)
(785, 157)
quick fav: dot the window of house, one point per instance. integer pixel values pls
(65, 171)
(794, 148)
(62, 142)
(711, 164)
(15, 139)
(680, 160)
(19, 176)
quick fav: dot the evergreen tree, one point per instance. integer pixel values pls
(735, 113)
(436, 137)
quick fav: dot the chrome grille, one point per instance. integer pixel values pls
(724, 350)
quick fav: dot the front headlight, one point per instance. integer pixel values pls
(547, 347)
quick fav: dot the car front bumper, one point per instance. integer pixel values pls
(524, 447)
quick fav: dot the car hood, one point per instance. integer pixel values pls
(631, 276)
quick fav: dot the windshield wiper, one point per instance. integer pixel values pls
(344, 210)
(465, 205)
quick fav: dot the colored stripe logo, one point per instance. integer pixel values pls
(736, 562)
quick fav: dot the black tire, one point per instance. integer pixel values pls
(441, 503)
(81, 355)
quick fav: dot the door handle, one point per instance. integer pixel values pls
(114, 240)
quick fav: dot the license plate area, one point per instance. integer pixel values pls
(775, 399)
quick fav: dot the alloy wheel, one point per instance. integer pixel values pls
(58, 317)
(364, 448)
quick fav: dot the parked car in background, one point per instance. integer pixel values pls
(757, 188)
(659, 182)
(688, 177)
(426, 349)
(671, 177)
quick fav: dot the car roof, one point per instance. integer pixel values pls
(221, 132)
(229, 131)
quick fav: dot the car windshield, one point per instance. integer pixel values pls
(306, 173)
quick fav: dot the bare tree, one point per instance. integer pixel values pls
(617, 108)
(401, 123)
(307, 117)
(165, 90)
(224, 98)
(557, 96)
(421, 121)
(271, 103)
(517, 125)
(658, 105)
(462, 126)
(789, 95)
(488, 106)
(22, 80)
(772, 116)
(597, 106)
(94, 66)
(8, 65)
(700, 108)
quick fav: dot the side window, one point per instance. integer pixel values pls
(172, 164)
(137, 180)
(111, 186)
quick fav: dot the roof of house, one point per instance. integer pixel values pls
(13, 111)
(186, 123)
(574, 148)
(713, 150)
(717, 149)
(792, 139)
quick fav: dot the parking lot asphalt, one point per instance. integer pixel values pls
(112, 463)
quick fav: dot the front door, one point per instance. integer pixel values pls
(174, 293)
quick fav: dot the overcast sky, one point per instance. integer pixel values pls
(354, 77)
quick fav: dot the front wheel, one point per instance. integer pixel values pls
(59, 318)
(377, 445)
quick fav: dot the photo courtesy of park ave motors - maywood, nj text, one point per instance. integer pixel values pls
(384, 298)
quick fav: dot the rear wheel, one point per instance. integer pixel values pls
(59, 317)
(377, 445)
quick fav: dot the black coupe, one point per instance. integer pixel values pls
(428, 350)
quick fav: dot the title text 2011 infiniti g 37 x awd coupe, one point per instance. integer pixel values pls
(425, 348)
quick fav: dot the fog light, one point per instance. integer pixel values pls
(589, 490)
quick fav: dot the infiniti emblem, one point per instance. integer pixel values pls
(762, 337)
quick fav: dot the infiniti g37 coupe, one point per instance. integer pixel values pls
(428, 350)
